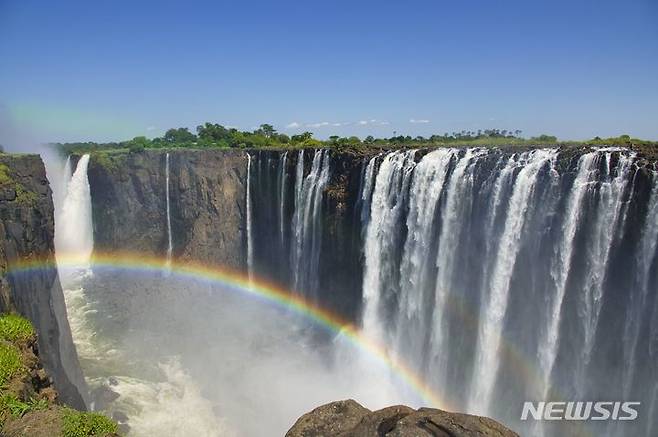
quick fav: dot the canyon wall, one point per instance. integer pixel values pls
(26, 233)
(207, 195)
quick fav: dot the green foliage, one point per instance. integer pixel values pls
(12, 405)
(10, 362)
(544, 139)
(179, 135)
(23, 196)
(15, 328)
(5, 176)
(84, 424)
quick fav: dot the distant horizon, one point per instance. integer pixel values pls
(92, 72)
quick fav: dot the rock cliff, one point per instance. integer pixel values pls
(207, 203)
(27, 232)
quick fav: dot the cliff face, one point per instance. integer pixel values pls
(207, 203)
(27, 232)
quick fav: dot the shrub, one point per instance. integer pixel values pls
(15, 328)
(79, 424)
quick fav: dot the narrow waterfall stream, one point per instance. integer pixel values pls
(170, 247)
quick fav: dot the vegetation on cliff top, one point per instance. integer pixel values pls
(212, 135)
(22, 195)
(28, 405)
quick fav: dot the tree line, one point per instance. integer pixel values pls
(213, 135)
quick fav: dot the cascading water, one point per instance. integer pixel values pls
(389, 193)
(250, 238)
(494, 308)
(524, 246)
(306, 226)
(74, 233)
(283, 175)
(169, 238)
(548, 345)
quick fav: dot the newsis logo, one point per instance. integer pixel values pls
(575, 410)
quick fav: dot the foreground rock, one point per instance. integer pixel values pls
(350, 419)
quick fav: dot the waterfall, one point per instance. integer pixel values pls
(169, 243)
(645, 255)
(426, 190)
(282, 195)
(495, 306)
(547, 349)
(74, 232)
(391, 186)
(497, 275)
(74, 244)
(306, 234)
(455, 209)
(250, 241)
(600, 240)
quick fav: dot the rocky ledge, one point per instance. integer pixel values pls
(351, 419)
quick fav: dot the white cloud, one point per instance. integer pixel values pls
(320, 124)
(151, 128)
(293, 125)
(416, 121)
(372, 121)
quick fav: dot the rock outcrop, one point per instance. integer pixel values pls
(27, 232)
(350, 419)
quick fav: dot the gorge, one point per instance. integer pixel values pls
(480, 277)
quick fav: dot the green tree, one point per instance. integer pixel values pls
(180, 135)
(267, 130)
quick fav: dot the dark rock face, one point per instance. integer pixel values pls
(207, 202)
(350, 419)
(26, 232)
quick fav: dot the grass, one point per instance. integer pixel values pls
(79, 424)
(11, 404)
(10, 362)
(15, 328)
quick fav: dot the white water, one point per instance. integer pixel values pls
(456, 207)
(282, 196)
(611, 190)
(169, 238)
(426, 190)
(306, 234)
(391, 185)
(250, 241)
(548, 345)
(645, 255)
(491, 319)
(74, 233)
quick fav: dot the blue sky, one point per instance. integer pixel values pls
(90, 70)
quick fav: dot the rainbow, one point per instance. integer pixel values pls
(240, 282)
